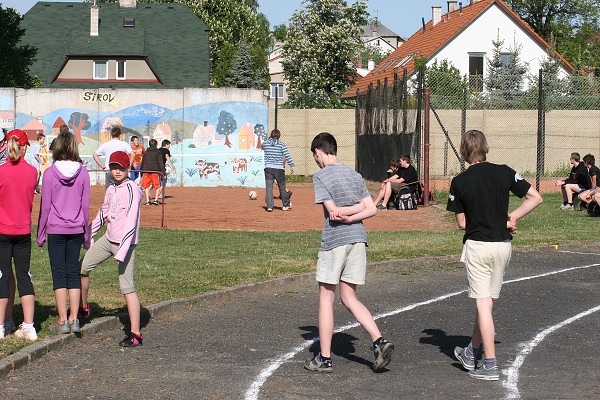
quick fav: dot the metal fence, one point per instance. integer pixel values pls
(532, 123)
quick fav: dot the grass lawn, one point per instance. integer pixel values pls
(182, 263)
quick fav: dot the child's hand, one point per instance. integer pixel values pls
(511, 224)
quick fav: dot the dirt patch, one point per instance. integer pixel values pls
(229, 208)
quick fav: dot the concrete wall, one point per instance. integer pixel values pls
(220, 128)
(512, 136)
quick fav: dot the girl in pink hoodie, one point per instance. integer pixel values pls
(64, 220)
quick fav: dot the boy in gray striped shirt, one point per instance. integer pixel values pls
(342, 256)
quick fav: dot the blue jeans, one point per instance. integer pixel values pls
(133, 174)
(63, 250)
(272, 175)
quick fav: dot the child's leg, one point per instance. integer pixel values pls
(485, 327)
(387, 194)
(326, 299)
(147, 192)
(126, 269)
(99, 252)
(22, 258)
(358, 309)
(133, 308)
(12, 289)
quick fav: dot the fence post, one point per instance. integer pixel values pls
(276, 103)
(419, 120)
(426, 145)
(539, 171)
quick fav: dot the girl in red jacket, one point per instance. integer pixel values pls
(17, 184)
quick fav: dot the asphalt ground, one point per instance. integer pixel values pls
(250, 343)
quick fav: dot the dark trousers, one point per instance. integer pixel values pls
(272, 175)
(64, 259)
(17, 248)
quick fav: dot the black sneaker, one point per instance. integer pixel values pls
(318, 364)
(383, 354)
(381, 207)
(131, 340)
(289, 194)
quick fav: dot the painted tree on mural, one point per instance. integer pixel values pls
(79, 122)
(226, 126)
(259, 130)
(176, 137)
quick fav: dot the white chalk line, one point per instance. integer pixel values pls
(511, 383)
(254, 389)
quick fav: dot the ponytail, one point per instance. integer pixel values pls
(14, 150)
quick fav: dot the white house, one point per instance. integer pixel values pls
(464, 36)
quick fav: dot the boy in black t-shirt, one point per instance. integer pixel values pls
(586, 196)
(479, 197)
(405, 175)
(578, 181)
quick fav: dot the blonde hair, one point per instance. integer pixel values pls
(14, 150)
(474, 147)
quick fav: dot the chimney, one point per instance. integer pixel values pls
(94, 20)
(452, 6)
(436, 15)
(460, 7)
(127, 3)
(371, 65)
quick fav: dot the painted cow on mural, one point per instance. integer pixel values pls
(239, 165)
(206, 168)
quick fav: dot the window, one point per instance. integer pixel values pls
(100, 69)
(506, 60)
(277, 90)
(121, 69)
(476, 71)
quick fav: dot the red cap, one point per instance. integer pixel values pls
(19, 135)
(119, 157)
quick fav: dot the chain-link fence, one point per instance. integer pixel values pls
(531, 123)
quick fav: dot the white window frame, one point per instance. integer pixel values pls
(280, 90)
(98, 62)
(124, 69)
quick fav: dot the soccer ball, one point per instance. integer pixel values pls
(253, 195)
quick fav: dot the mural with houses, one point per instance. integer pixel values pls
(215, 136)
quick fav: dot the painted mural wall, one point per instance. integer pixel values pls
(215, 134)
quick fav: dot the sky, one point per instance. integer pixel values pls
(401, 16)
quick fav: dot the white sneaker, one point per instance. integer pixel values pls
(1, 332)
(288, 207)
(24, 333)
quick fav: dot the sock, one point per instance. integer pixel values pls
(571, 204)
(28, 326)
(469, 351)
(490, 363)
(323, 359)
(377, 342)
(564, 203)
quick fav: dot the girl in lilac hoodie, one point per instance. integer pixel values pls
(64, 219)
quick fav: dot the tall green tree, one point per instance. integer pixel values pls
(15, 59)
(322, 39)
(506, 71)
(572, 22)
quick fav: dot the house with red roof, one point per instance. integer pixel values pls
(33, 128)
(463, 36)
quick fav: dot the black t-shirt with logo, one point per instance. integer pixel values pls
(482, 194)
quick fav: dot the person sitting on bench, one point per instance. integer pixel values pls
(405, 175)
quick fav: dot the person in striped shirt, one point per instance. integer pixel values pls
(276, 154)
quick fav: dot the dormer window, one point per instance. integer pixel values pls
(128, 22)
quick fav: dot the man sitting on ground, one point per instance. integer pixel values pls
(578, 181)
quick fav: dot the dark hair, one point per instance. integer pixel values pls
(64, 148)
(589, 159)
(575, 157)
(153, 143)
(165, 142)
(275, 134)
(115, 132)
(133, 138)
(63, 129)
(405, 157)
(40, 135)
(325, 142)
(474, 147)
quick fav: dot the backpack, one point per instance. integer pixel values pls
(421, 193)
(406, 200)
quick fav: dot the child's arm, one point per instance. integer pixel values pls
(44, 209)
(355, 213)
(85, 208)
(131, 221)
(100, 219)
